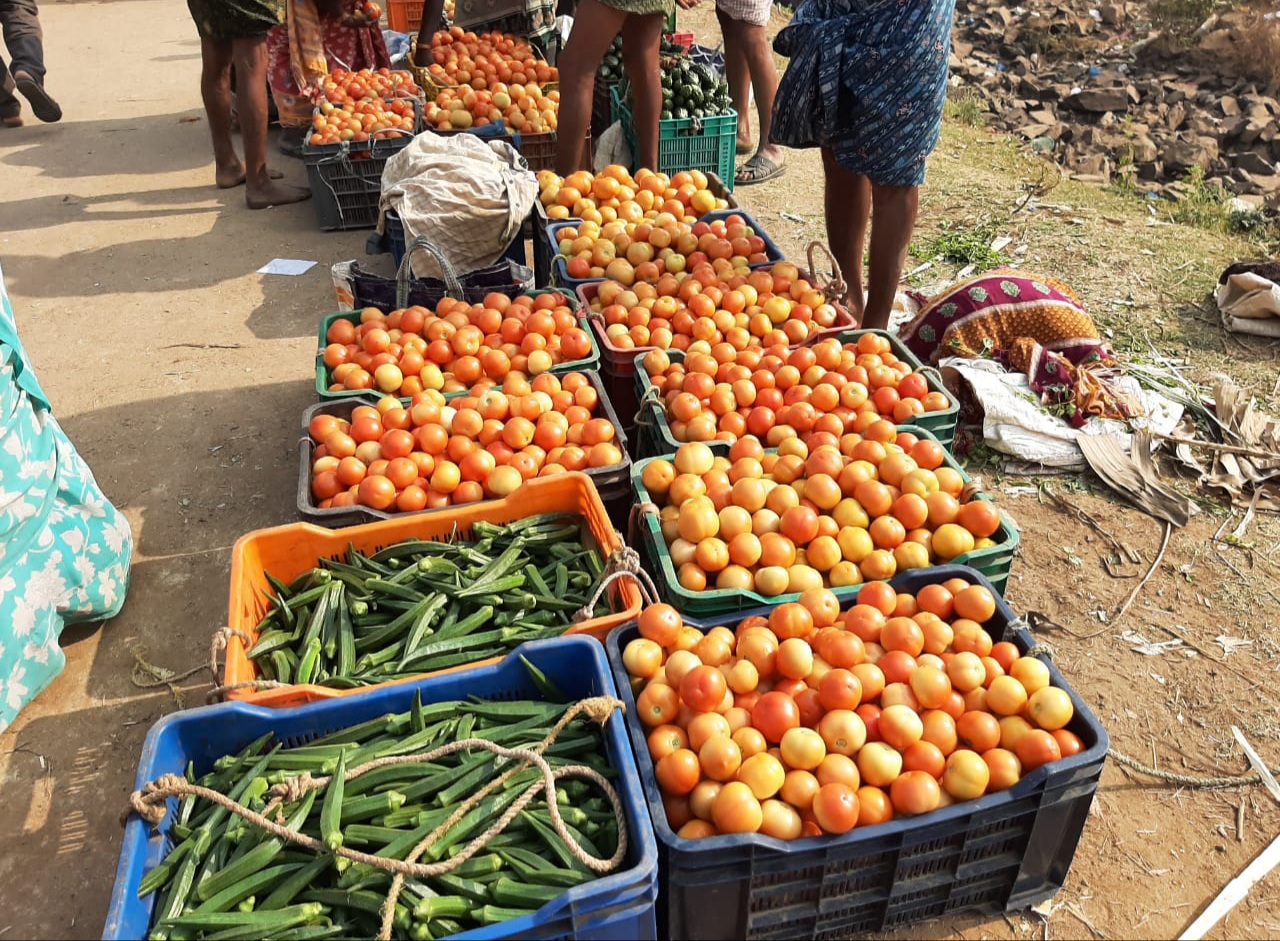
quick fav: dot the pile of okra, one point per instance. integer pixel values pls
(419, 606)
(227, 879)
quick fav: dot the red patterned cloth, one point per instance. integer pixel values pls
(345, 47)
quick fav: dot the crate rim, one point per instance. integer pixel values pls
(944, 418)
(642, 837)
(1095, 753)
(666, 576)
(589, 363)
(306, 447)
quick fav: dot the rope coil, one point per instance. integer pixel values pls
(221, 638)
(623, 562)
(148, 802)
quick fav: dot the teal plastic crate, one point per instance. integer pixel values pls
(994, 562)
(706, 144)
(655, 438)
(589, 363)
(941, 423)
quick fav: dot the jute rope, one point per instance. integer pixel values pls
(638, 510)
(623, 562)
(148, 802)
(834, 289)
(219, 643)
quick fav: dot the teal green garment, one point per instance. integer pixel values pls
(64, 549)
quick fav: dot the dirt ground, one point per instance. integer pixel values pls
(180, 374)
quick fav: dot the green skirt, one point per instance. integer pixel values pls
(224, 20)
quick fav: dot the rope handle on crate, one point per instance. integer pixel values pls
(404, 273)
(651, 397)
(221, 638)
(623, 562)
(148, 802)
(638, 510)
(834, 289)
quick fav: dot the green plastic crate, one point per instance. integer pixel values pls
(706, 144)
(655, 437)
(591, 362)
(994, 561)
(941, 423)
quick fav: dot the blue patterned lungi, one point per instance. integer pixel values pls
(867, 79)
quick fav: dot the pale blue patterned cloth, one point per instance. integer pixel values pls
(64, 549)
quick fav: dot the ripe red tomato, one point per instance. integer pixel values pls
(703, 688)
(773, 714)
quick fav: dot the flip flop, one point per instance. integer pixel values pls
(758, 170)
(42, 104)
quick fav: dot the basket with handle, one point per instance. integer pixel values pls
(453, 284)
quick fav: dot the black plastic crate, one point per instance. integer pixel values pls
(613, 482)
(346, 178)
(1002, 852)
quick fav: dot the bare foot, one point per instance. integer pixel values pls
(275, 194)
(231, 177)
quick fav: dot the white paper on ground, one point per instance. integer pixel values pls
(1016, 425)
(289, 266)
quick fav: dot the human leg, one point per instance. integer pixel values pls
(594, 27)
(769, 159)
(25, 41)
(215, 90)
(641, 41)
(261, 191)
(893, 211)
(847, 205)
(738, 74)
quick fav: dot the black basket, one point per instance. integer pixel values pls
(346, 178)
(612, 482)
(504, 277)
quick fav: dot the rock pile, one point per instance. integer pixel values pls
(1107, 96)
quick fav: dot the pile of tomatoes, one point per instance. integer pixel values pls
(414, 349)
(834, 512)
(815, 721)
(493, 78)
(432, 453)
(614, 194)
(481, 62)
(778, 394)
(523, 109)
(714, 307)
(628, 252)
(358, 106)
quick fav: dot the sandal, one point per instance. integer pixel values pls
(758, 170)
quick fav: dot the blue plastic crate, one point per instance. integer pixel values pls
(618, 906)
(771, 248)
(1001, 852)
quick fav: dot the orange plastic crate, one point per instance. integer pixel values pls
(404, 16)
(288, 551)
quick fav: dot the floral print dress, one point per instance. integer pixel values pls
(64, 549)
